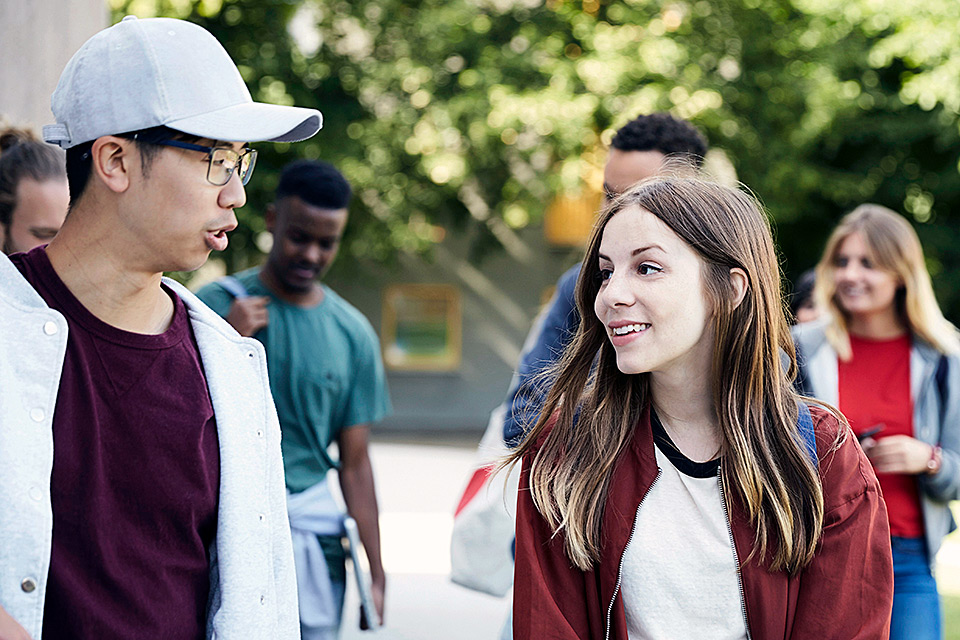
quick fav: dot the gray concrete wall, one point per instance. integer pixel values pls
(499, 298)
(37, 38)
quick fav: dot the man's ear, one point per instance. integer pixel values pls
(270, 218)
(112, 159)
(740, 283)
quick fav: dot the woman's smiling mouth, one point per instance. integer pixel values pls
(629, 328)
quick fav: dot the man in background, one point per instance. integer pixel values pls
(325, 369)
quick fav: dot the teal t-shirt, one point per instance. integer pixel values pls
(325, 372)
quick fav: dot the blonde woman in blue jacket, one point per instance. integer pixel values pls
(885, 355)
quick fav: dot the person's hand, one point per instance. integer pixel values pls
(10, 629)
(897, 454)
(377, 590)
(249, 315)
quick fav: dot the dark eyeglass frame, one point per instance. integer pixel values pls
(244, 176)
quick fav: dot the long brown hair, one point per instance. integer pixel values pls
(594, 408)
(894, 247)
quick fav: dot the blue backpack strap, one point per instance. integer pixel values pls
(233, 286)
(805, 427)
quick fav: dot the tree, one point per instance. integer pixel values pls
(471, 115)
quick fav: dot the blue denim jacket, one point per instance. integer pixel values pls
(549, 335)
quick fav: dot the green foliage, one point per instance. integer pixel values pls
(951, 616)
(472, 114)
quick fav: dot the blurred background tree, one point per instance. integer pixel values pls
(470, 116)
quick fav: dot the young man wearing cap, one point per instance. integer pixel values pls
(141, 483)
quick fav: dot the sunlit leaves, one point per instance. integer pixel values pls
(474, 115)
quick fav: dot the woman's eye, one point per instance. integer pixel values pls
(866, 263)
(604, 274)
(647, 269)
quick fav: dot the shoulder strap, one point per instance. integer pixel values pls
(802, 383)
(805, 427)
(233, 286)
(943, 366)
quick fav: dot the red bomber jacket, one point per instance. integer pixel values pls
(845, 593)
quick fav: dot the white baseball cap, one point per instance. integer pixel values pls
(146, 73)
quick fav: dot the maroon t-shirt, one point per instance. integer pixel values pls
(136, 475)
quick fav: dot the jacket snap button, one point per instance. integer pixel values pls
(50, 327)
(36, 414)
(29, 585)
(36, 494)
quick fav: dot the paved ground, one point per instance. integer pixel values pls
(948, 560)
(419, 483)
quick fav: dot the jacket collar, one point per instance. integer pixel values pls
(635, 473)
(17, 289)
(19, 292)
(199, 312)
(818, 360)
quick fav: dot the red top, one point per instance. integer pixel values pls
(875, 389)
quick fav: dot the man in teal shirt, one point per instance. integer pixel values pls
(323, 357)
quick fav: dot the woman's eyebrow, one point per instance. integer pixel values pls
(637, 252)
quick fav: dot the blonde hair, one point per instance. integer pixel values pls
(594, 408)
(893, 246)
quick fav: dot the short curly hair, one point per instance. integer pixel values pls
(317, 183)
(661, 132)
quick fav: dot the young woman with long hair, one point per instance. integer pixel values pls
(885, 355)
(675, 485)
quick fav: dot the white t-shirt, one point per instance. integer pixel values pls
(679, 575)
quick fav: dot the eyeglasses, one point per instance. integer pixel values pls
(221, 161)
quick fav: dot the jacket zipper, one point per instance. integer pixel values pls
(633, 530)
(736, 557)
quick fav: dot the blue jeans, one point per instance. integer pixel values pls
(916, 604)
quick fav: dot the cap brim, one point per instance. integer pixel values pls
(253, 122)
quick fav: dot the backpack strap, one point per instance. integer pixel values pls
(943, 367)
(805, 428)
(233, 286)
(802, 383)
